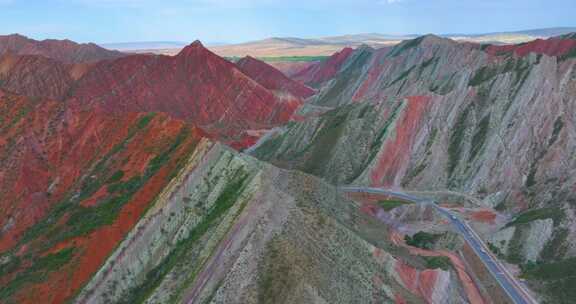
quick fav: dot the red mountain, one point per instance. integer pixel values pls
(271, 78)
(62, 50)
(38, 76)
(325, 70)
(196, 85)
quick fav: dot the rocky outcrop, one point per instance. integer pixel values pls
(271, 78)
(65, 51)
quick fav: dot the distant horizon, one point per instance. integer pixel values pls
(349, 34)
(220, 43)
(236, 21)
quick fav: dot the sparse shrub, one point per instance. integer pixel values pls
(422, 239)
(435, 262)
(391, 204)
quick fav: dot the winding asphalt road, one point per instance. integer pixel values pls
(507, 281)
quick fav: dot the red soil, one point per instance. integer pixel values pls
(470, 287)
(396, 148)
(484, 216)
(374, 74)
(419, 282)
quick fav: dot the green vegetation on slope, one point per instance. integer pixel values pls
(479, 137)
(268, 149)
(22, 112)
(37, 272)
(345, 79)
(531, 178)
(84, 220)
(557, 279)
(417, 169)
(92, 183)
(495, 250)
(520, 67)
(558, 126)
(553, 213)
(279, 277)
(482, 75)
(227, 198)
(406, 45)
(391, 204)
(435, 262)
(557, 247)
(325, 140)
(402, 76)
(456, 141)
(377, 143)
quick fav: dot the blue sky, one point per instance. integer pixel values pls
(243, 20)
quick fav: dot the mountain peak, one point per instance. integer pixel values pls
(250, 60)
(197, 43)
(193, 48)
(434, 39)
(16, 35)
